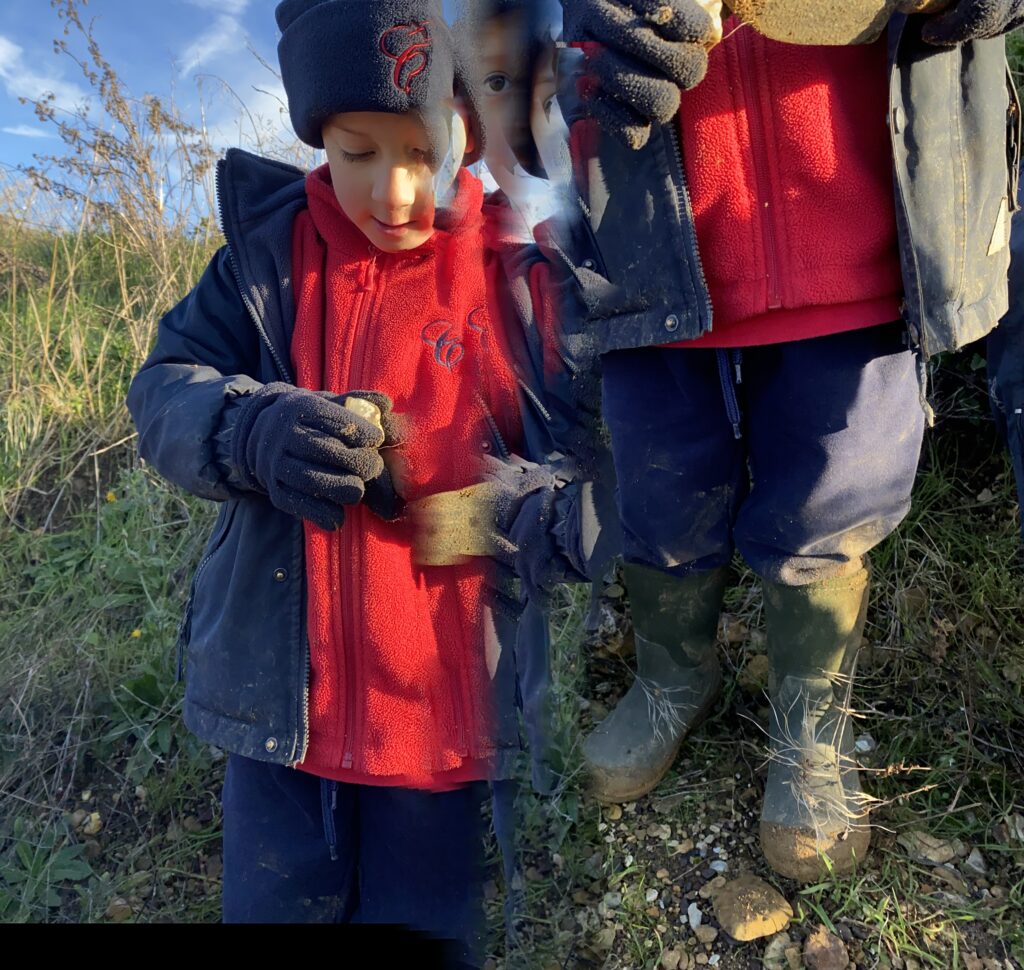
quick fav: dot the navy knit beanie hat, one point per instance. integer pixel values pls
(372, 55)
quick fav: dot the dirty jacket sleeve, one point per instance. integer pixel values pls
(183, 398)
(584, 522)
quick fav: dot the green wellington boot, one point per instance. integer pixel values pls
(813, 802)
(678, 678)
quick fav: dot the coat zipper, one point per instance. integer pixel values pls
(527, 390)
(683, 207)
(755, 125)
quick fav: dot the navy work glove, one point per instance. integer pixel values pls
(310, 455)
(523, 515)
(973, 20)
(649, 50)
(381, 494)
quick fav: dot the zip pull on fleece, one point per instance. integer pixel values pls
(366, 274)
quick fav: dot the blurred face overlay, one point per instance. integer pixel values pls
(516, 96)
(381, 176)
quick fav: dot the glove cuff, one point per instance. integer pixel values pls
(233, 438)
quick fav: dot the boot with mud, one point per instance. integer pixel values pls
(678, 678)
(813, 802)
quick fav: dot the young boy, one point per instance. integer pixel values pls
(316, 638)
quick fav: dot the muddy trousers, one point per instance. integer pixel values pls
(301, 849)
(800, 455)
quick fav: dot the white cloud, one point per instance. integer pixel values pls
(27, 131)
(20, 81)
(233, 8)
(224, 36)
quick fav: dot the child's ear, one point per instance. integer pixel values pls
(460, 106)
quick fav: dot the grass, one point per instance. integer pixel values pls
(109, 809)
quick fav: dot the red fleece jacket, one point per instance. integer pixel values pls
(399, 687)
(789, 168)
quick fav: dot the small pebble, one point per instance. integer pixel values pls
(694, 915)
(706, 934)
(865, 744)
(719, 866)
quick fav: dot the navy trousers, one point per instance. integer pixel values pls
(801, 455)
(301, 849)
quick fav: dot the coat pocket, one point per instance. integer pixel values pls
(220, 531)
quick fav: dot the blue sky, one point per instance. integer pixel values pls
(159, 48)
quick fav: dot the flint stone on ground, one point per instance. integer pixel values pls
(747, 908)
(951, 878)
(925, 848)
(825, 951)
(119, 910)
(782, 953)
(694, 915)
(975, 863)
(706, 934)
(709, 890)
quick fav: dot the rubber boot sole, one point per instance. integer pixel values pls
(797, 853)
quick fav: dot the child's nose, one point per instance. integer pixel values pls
(396, 188)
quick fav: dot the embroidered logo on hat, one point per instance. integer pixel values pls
(408, 45)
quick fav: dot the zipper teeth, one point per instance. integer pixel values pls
(367, 303)
(305, 701)
(284, 372)
(755, 127)
(307, 664)
(683, 200)
(536, 400)
(493, 425)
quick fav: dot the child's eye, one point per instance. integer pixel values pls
(496, 83)
(356, 156)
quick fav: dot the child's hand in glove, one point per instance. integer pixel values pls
(383, 495)
(966, 20)
(310, 455)
(506, 517)
(649, 50)
(526, 518)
